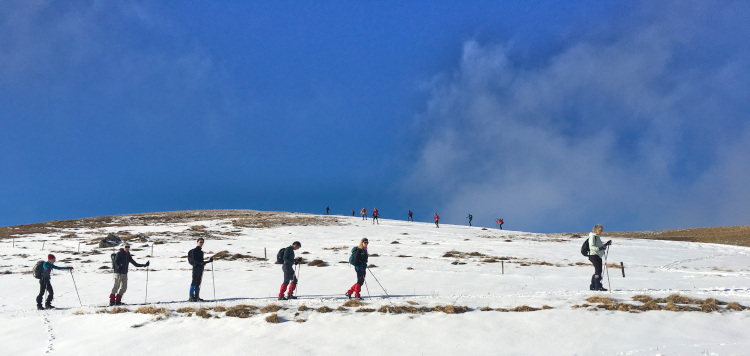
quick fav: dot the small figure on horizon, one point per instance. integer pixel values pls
(375, 216)
(328, 208)
(411, 216)
(352, 212)
(469, 217)
(437, 221)
(500, 223)
(364, 213)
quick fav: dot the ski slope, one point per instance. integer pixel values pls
(537, 270)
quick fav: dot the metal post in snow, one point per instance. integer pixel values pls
(264, 253)
(43, 242)
(79, 246)
(502, 264)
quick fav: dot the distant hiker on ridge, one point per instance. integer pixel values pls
(375, 216)
(596, 252)
(364, 213)
(500, 223)
(469, 217)
(121, 262)
(437, 221)
(288, 267)
(411, 216)
(45, 281)
(352, 212)
(195, 258)
(328, 208)
(358, 258)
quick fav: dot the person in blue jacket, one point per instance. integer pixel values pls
(45, 283)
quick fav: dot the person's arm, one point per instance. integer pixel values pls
(55, 267)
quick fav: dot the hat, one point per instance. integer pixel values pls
(126, 246)
(51, 257)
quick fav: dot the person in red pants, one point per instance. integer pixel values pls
(359, 260)
(288, 267)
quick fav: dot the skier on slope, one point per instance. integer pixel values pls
(411, 216)
(596, 252)
(46, 284)
(195, 258)
(359, 260)
(364, 213)
(375, 216)
(470, 217)
(122, 259)
(437, 221)
(288, 268)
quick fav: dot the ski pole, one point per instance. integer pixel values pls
(76, 287)
(607, 269)
(145, 300)
(381, 286)
(368, 290)
(213, 281)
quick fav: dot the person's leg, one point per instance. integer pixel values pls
(50, 294)
(42, 288)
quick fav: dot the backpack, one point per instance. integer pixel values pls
(280, 256)
(113, 257)
(585, 248)
(353, 255)
(38, 269)
(191, 260)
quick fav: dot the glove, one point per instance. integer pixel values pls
(148, 263)
(210, 260)
(297, 260)
(70, 268)
(609, 242)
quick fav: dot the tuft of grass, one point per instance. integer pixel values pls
(354, 303)
(671, 306)
(300, 320)
(203, 313)
(241, 311)
(80, 312)
(341, 309)
(273, 318)
(412, 302)
(452, 309)
(603, 300)
(365, 310)
(150, 309)
(650, 305)
(186, 310)
(302, 307)
(710, 305)
(118, 310)
(524, 308)
(735, 306)
(317, 263)
(486, 309)
(270, 308)
(220, 308)
(642, 298)
(546, 307)
(324, 309)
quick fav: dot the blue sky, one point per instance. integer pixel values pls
(553, 115)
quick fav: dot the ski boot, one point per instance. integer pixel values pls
(291, 297)
(39, 307)
(49, 306)
(281, 297)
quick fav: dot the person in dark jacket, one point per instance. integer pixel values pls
(328, 208)
(288, 267)
(411, 216)
(195, 257)
(470, 217)
(376, 216)
(45, 283)
(122, 260)
(360, 266)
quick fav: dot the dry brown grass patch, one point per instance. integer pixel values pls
(642, 298)
(203, 313)
(150, 309)
(220, 309)
(324, 309)
(603, 300)
(365, 310)
(735, 306)
(273, 318)
(710, 305)
(241, 311)
(118, 310)
(354, 303)
(302, 307)
(270, 308)
(524, 308)
(317, 263)
(186, 310)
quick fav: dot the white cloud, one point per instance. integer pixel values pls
(604, 132)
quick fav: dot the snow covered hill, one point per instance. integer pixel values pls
(453, 290)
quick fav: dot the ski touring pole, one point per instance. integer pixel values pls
(145, 300)
(368, 290)
(213, 281)
(607, 269)
(381, 286)
(76, 287)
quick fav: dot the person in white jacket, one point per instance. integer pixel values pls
(596, 252)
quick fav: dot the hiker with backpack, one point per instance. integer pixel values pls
(376, 216)
(500, 223)
(195, 258)
(287, 265)
(120, 263)
(596, 252)
(470, 217)
(42, 271)
(364, 213)
(410, 217)
(358, 258)
(437, 221)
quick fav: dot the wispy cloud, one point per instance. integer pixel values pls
(637, 129)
